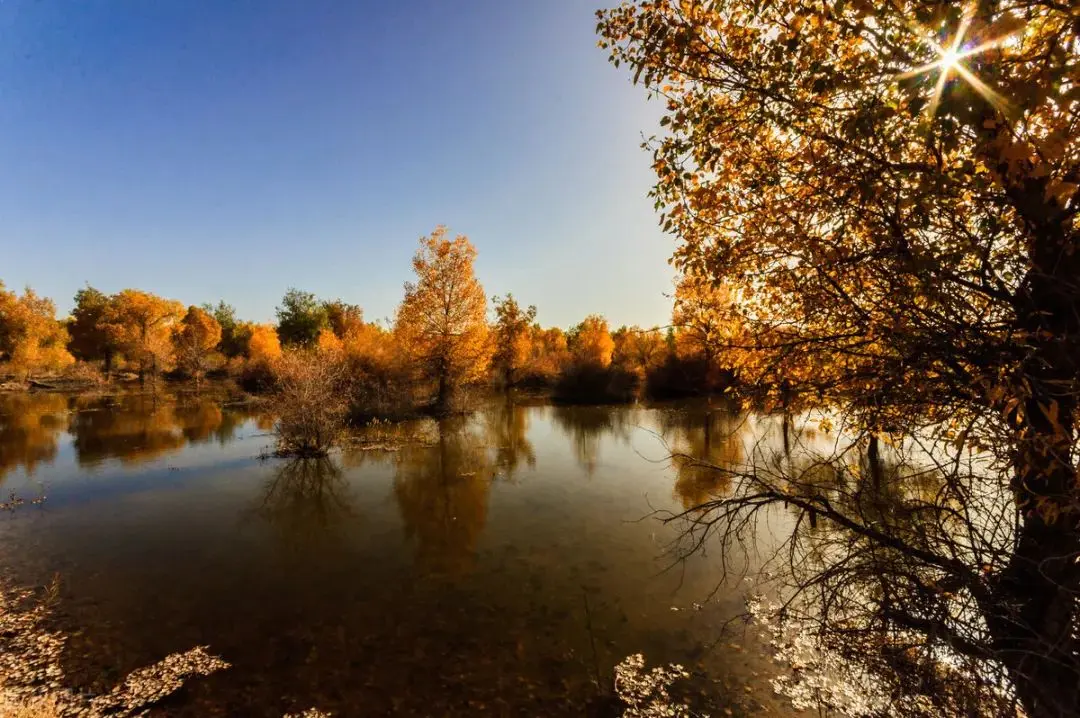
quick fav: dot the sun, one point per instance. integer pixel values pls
(950, 62)
(950, 58)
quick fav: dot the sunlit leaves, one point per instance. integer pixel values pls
(442, 320)
(140, 325)
(31, 339)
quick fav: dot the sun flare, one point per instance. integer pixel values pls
(950, 62)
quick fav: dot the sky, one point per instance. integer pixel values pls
(230, 149)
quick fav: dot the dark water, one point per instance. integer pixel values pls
(494, 565)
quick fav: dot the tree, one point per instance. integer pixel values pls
(899, 215)
(590, 342)
(140, 325)
(89, 340)
(260, 342)
(195, 340)
(224, 314)
(705, 316)
(342, 318)
(31, 339)
(442, 320)
(638, 350)
(300, 318)
(512, 335)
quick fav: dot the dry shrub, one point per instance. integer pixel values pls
(310, 401)
(84, 373)
(381, 381)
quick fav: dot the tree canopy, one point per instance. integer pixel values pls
(442, 321)
(891, 190)
(300, 318)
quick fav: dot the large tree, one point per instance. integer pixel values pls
(31, 339)
(140, 325)
(89, 340)
(442, 321)
(194, 341)
(231, 344)
(891, 188)
(512, 336)
(300, 318)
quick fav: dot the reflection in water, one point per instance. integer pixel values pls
(305, 502)
(267, 561)
(587, 425)
(30, 426)
(129, 427)
(442, 492)
(507, 426)
(700, 441)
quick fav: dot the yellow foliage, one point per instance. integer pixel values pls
(638, 350)
(31, 339)
(140, 325)
(591, 343)
(328, 342)
(441, 324)
(194, 340)
(260, 341)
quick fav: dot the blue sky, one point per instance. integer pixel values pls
(233, 148)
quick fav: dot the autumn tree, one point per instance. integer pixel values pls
(705, 317)
(259, 342)
(195, 340)
(141, 325)
(512, 337)
(638, 350)
(224, 314)
(90, 341)
(590, 342)
(892, 190)
(442, 321)
(31, 339)
(548, 354)
(343, 318)
(300, 318)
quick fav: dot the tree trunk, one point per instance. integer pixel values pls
(442, 403)
(1035, 617)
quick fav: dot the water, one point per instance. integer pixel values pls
(494, 565)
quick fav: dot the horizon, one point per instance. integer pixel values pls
(232, 153)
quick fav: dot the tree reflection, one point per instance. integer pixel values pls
(131, 428)
(702, 444)
(586, 425)
(199, 422)
(506, 425)
(442, 492)
(306, 504)
(30, 426)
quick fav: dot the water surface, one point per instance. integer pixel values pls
(499, 564)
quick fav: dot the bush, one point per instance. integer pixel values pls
(82, 372)
(310, 403)
(592, 384)
(256, 376)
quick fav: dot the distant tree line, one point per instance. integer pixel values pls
(443, 339)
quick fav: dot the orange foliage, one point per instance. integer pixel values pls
(591, 343)
(140, 325)
(195, 340)
(442, 322)
(260, 342)
(31, 339)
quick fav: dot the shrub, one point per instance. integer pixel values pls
(310, 403)
(594, 384)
